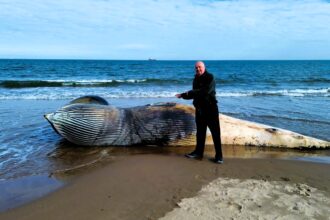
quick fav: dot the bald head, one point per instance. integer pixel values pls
(200, 68)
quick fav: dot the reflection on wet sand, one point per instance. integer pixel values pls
(68, 161)
(68, 158)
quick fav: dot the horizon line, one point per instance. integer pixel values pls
(155, 60)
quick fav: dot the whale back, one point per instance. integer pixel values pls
(162, 123)
(90, 99)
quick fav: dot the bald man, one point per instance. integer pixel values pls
(206, 112)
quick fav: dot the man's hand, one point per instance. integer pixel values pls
(178, 96)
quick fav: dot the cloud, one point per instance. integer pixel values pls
(168, 29)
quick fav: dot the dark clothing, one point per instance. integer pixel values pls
(203, 91)
(206, 112)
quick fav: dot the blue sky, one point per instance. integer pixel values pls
(185, 29)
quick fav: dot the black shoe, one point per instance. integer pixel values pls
(217, 160)
(194, 155)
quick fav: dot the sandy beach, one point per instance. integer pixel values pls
(100, 101)
(153, 182)
(171, 186)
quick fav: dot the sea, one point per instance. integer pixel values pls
(293, 95)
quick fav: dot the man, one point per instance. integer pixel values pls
(206, 112)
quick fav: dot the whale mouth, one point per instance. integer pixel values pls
(49, 118)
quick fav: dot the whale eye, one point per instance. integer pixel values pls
(271, 130)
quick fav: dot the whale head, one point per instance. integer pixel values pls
(84, 124)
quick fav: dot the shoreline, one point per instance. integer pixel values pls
(126, 187)
(29, 144)
(24, 190)
(19, 191)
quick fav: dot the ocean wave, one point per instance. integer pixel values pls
(35, 83)
(312, 80)
(69, 93)
(293, 92)
(14, 68)
(323, 92)
(14, 84)
(267, 81)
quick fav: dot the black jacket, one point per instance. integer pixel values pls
(203, 91)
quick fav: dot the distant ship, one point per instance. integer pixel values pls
(152, 59)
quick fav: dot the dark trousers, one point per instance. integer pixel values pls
(208, 117)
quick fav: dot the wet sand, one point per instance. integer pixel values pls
(150, 186)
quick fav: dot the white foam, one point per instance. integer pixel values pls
(95, 81)
(58, 93)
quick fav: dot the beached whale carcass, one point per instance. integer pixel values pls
(91, 121)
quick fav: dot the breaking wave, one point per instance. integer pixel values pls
(159, 92)
(12, 84)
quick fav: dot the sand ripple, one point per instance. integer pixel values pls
(254, 199)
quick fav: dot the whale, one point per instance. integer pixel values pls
(92, 121)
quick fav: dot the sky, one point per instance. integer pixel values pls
(165, 30)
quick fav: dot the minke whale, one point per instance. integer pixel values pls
(91, 121)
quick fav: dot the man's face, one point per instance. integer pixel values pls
(200, 68)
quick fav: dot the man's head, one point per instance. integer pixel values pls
(199, 68)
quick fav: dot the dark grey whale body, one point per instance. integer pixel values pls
(91, 121)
